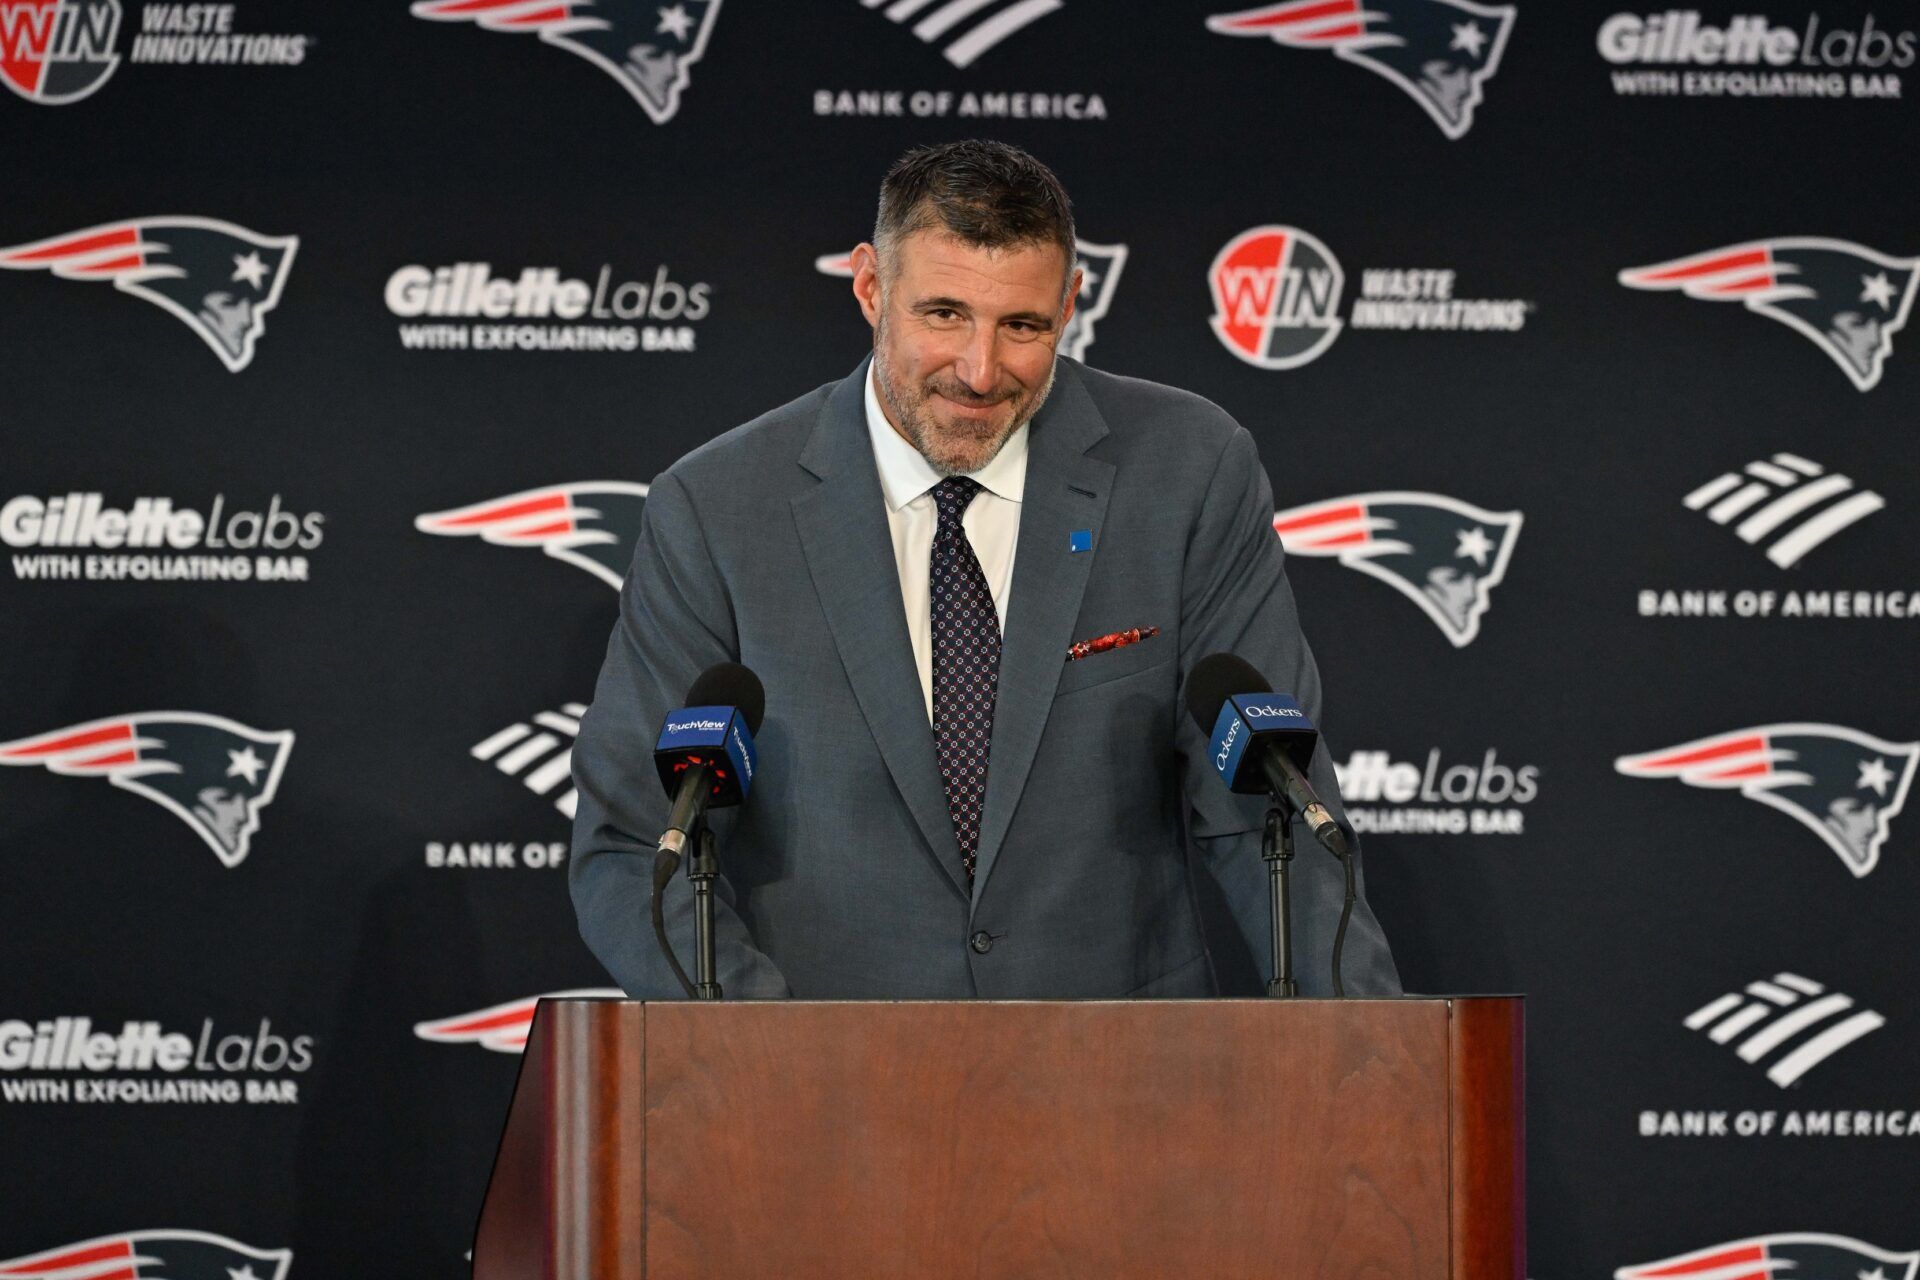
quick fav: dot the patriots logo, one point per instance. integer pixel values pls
(218, 278)
(1445, 555)
(1847, 298)
(212, 773)
(1843, 785)
(1440, 52)
(592, 525)
(1803, 1255)
(1099, 265)
(151, 1255)
(502, 1028)
(650, 48)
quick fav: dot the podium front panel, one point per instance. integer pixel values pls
(1098, 1139)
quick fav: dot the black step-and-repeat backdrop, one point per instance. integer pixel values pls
(340, 343)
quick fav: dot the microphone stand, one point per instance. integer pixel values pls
(1276, 846)
(702, 870)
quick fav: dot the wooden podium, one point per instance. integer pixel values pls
(1213, 1139)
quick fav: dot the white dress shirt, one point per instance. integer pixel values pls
(992, 524)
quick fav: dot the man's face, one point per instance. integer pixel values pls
(964, 340)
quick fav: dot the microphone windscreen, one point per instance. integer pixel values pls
(1213, 680)
(728, 684)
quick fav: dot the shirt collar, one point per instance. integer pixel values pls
(905, 475)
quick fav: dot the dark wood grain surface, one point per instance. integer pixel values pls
(1355, 1140)
(1489, 1139)
(1149, 1139)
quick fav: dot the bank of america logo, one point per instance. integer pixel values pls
(503, 1028)
(955, 18)
(1803, 505)
(539, 753)
(1797, 1023)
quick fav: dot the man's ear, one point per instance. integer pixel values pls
(866, 281)
(1073, 297)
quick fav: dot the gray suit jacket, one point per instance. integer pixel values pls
(1104, 826)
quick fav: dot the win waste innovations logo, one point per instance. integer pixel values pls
(56, 52)
(1278, 292)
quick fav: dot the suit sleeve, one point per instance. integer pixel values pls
(675, 622)
(1236, 600)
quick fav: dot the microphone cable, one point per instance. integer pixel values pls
(665, 863)
(1340, 933)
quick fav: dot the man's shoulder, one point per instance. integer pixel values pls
(1153, 421)
(756, 453)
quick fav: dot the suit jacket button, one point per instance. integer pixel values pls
(981, 942)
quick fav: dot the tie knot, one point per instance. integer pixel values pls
(951, 497)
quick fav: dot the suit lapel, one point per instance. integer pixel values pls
(1066, 491)
(843, 533)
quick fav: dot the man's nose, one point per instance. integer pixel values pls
(979, 363)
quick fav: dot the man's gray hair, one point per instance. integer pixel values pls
(989, 194)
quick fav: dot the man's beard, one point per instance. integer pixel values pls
(914, 414)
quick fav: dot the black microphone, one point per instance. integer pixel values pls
(705, 752)
(1259, 741)
(706, 760)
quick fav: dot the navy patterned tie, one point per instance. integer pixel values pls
(966, 664)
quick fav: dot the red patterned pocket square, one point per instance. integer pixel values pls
(1112, 640)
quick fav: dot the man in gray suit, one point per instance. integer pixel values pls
(946, 806)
